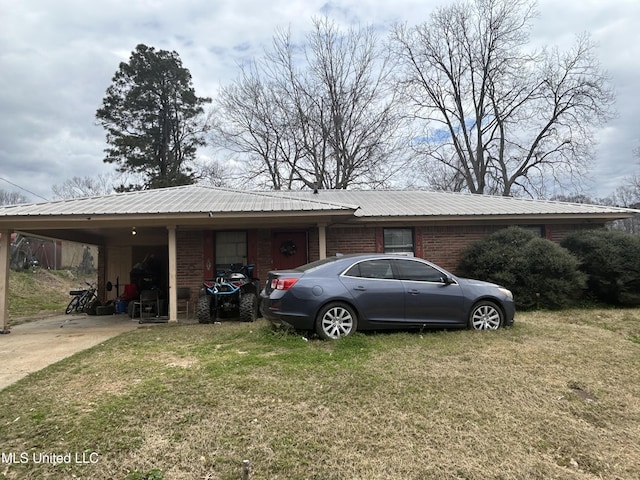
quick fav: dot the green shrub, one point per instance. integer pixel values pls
(540, 273)
(154, 474)
(611, 260)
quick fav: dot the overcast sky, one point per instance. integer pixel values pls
(57, 58)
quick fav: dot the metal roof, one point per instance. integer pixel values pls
(177, 200)
(362, 204)
(421, 203)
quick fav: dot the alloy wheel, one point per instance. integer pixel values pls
(336, 321)
(486, 316)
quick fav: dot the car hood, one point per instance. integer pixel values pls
(470, 282)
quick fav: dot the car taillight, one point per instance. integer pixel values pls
(283, 283)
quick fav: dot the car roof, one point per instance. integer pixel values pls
(353, 257)
(377, 255)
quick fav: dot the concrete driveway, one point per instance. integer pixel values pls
(34, 345)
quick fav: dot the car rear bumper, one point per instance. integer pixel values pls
(272, 311)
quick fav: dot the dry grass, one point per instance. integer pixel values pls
(555, 397)
(41, 293)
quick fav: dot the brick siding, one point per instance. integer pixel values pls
(190, 267)
(263, 263)
(443, 245)
(351, 240)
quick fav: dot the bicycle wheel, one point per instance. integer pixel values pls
(74, 304)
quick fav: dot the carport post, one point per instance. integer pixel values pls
(5, 244)
(322, 240)
(173, 275)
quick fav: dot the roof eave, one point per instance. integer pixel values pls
(521, 217)
(138, 219)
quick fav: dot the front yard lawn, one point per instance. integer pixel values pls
(555, 397)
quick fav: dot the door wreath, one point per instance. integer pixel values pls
(288, 248)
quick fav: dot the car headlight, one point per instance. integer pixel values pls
(506, 293)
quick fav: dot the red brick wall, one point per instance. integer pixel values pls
(263, 263)
(351, 240)
(192, 247)
(557, 233)
(190, 267)
(443, 245)
(314, 247)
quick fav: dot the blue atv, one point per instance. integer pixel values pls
(234, 293)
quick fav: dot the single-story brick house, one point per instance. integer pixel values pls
(194, 231)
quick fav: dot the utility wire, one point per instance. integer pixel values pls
(22, 188)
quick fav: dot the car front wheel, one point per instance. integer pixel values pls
(485, 315)
(336, 320)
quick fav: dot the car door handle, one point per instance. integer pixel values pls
(359, 288)
(413, 291)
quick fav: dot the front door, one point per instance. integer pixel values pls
(288, 250)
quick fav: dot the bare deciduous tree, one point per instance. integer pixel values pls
(212, 174)
(11, 198)
(321, 115)
(628, 195)
(79, 187)
(251, 124)
(496, 118)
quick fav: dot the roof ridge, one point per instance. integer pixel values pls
(532, 200)
(482, 195)
(93, 197)
(276, 193)
(267, 193)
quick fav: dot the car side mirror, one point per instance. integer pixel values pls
(447, 279)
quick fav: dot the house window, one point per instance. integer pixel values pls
(231, 248)
(398, 240)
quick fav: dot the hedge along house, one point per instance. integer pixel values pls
(192, 232)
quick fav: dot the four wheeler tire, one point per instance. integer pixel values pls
(336, 320)
(248, 307)
(485, 315)
(204, 309)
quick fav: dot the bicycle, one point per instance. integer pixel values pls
(82, 299)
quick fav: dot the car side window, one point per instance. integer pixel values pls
(418, 272)
(371, 269)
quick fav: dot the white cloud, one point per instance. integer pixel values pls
(58, 58)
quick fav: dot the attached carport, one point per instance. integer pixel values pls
(121, 222)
